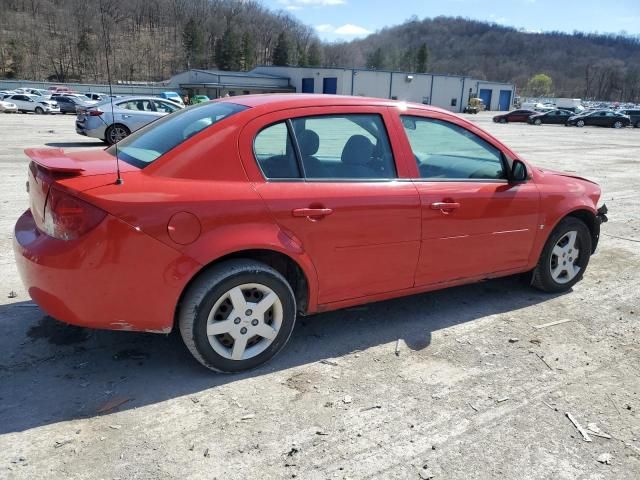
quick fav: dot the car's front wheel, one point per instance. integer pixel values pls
(237, 315)
(580, 123)
(503, 120)
(39, 111)
(537, 121)
(618, 124)
(564, 258)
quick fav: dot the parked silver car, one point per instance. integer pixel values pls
(129, 115)
(30, 103)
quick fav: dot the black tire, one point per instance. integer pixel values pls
(110, 133)
(637, 124)
(542, 278)
(580, 123)
(537, 121)
(618, 124)
(503, 120)
(39, 111)
(210, 286)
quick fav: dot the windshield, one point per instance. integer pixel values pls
(149, 143)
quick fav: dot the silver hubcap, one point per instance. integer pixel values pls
(564, 258)
(244, 321)
(581, 123)
(117, 134)
(617, 124)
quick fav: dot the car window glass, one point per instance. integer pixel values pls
(353, 146)
(275, 154)
(144, 146)
(165, 107)
(138, 105)
(444, 151)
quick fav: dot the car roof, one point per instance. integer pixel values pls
(279, 101)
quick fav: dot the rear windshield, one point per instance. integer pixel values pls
(151, 142)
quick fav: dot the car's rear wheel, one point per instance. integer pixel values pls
(618, 124)
(115, 133)
(564, 258)
(537, 121)
(580, 123)
(237, 315)
(39, 111)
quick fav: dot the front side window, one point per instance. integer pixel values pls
(165, 107)
(144, 146)
(138, 105)
(444, 151)
(353, 146)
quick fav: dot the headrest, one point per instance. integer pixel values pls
(309, 142)
(357, 151)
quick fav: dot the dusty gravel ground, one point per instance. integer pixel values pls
(475, 391)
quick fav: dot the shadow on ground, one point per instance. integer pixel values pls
(51, 372)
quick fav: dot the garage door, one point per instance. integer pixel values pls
(485, 96)
(504, 103)
(330, 85)
(307, 85)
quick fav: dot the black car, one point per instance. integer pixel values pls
(68, 104)
(558, 116)
(634, 115)
(514, 116)
(601, 118)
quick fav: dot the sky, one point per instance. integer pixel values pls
(338, 20)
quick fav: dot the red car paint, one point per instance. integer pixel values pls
(381, 240)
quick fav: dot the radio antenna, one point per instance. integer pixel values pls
(107, 51)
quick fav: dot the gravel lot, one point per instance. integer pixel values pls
(475, 391)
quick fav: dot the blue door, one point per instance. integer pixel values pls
(330, 85)
(505, 100)
(307, 85)
(485, 96)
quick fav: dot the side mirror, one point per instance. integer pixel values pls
(519, 172)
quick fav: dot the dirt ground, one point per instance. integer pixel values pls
(456, 384)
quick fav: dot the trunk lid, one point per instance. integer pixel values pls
(73, 171)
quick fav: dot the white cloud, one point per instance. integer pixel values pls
(349, 30)
(346, 30)
(298, 4)
(325, 28)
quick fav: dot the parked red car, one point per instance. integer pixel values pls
(236, 215)
(514, 116)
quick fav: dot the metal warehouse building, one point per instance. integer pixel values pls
(446, 91)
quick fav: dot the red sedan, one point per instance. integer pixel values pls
(231, 217)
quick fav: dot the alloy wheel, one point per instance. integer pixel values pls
(580, 123)
(244, 321)
(564, 258)
(117, 133)
(618, 124)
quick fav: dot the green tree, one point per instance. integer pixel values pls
(248, 51)
(193, 43)
(408, 60)
(314, 58)
(376, 60)
(281, 52)
(540, 85)
(228, 51)
(422, 59)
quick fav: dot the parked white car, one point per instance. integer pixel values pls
(6, 93)
(32, 103)
(8, 107)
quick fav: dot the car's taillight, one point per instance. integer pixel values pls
(67, 217)
(95, 113)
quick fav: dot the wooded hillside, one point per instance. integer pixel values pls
(150, 40)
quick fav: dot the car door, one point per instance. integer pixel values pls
(136, 113)
(329, 177)
(474, 222)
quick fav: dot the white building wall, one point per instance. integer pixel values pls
(296, 74)
(371, 84)
(447, 92)
(416, 89)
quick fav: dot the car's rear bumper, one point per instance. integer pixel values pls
(114, 277)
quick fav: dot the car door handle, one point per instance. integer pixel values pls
(444, 205)
(311, 212)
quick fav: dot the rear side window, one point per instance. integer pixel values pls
(143, 147)
(444, 151)
(274, 151)
(328, 147)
